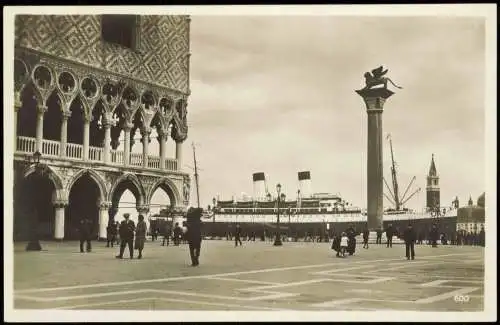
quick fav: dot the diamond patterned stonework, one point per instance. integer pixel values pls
(161, 57)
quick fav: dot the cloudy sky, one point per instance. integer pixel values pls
(276, 94)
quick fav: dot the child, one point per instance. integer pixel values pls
(343, 243)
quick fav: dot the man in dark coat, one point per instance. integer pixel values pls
(389, 232)
(85, 230)
(434, 235)
(127, 228)
(177, 234)
(237, 235)
(193, 234)
(409, 237)
(379, 236)
(366, 235)
(336, 244)
(111, 233)
(351, 234)
(167, 232)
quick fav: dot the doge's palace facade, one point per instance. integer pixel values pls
(84, 86)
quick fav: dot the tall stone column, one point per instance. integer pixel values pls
(103, 220)
(107, 139)
(145, 146)
(178, 154)
(374, 99)
(64, 133)
(59, 220)
(41, 109)
(126, 146)
(86, 138)
(162, 138)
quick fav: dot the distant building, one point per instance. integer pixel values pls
(471, 218)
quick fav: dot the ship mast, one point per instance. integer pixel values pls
(395, 185)
(394, 195)
(196, 176)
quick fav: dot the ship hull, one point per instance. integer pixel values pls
(318, 224)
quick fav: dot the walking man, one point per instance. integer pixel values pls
(379, 236)
(85, 234)
(434, 234)
(166, 233)
(193, 234)
(127, 228)
(177, 234)
(140, 235)
(237, 234)
(366, 234)
(389, 232)
(409, 238)
(111, 233)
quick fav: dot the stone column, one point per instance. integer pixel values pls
(126, 153)
(41, 109)
(162, 137)
(64, 133)
(103, 220)
(17, 107)
(86, 135)
(178, 154)
(107, 140)
(374, 100)
(145, 146)
(59, 220)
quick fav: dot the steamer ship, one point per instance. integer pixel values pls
(326, 212)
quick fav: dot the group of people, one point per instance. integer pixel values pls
(346, 242)
(134, 236)
(127, 231)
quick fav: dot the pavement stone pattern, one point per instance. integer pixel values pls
(256, 276)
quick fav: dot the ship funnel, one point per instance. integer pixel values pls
(259, 186)
(305, 184)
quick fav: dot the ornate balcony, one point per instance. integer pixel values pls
(74, 152)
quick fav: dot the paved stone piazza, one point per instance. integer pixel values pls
(256, 276)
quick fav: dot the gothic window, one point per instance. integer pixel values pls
(121, 30)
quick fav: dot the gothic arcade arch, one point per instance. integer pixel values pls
(169, 187)
(95, 177)
(124, 182)
(60, 193)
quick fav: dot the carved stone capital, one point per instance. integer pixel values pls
(107, 120)
(66, 114)
(104, 205)
(145, 133)
(127, 126)
(41, 109)
(61, 204)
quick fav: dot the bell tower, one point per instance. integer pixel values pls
(432, 188)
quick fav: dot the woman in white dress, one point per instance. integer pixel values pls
(343, 244)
